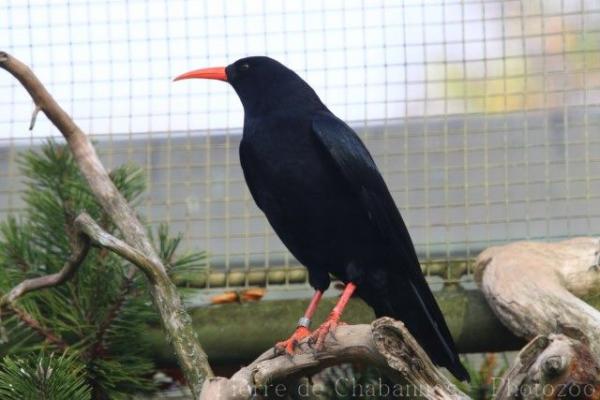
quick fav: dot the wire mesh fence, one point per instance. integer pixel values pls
(482, 115)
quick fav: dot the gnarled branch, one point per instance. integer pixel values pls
(191, 356)
(80, 250)
(87, 226)
(89, 232)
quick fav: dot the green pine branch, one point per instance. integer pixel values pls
(46, 377)
(105, 307)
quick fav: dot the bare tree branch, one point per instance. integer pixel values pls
(86, 232)
(176, 321)
(89, 232)
(70, 267)
(87, 226)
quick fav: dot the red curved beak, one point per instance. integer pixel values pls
(217, 73)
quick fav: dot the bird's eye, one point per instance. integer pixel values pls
(244, 67)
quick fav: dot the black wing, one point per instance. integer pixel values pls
(417, 308)
(356, 165)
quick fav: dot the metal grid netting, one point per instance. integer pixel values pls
(482, 115)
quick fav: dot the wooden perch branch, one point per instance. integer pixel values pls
(385, 344)
(175, 320)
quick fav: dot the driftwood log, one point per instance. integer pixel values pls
(535, 289)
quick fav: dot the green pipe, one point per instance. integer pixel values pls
(238, 333)
(448, 270)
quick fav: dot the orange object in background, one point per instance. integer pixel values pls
(224, 298)
(252, 294)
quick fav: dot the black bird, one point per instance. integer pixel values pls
(323, 195)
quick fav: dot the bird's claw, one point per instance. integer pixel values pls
(317, 338)
(291, 345)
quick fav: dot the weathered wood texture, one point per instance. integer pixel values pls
(556, 366)
(385, 344)
(534, 288)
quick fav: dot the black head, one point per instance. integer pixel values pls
(264, 85)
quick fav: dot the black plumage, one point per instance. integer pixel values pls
(321, 191)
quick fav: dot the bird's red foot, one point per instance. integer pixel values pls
(317, 338)
(290, 345)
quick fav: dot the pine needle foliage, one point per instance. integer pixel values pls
(99, 317)
(43, 378)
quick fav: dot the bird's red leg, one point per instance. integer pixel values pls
(333, 320)
(302, 330)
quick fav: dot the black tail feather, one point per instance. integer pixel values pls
(410, 300)
(439, 330)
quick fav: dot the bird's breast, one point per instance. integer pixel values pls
(305, 198)
(288, 160)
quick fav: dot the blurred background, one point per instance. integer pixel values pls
(483, 116)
